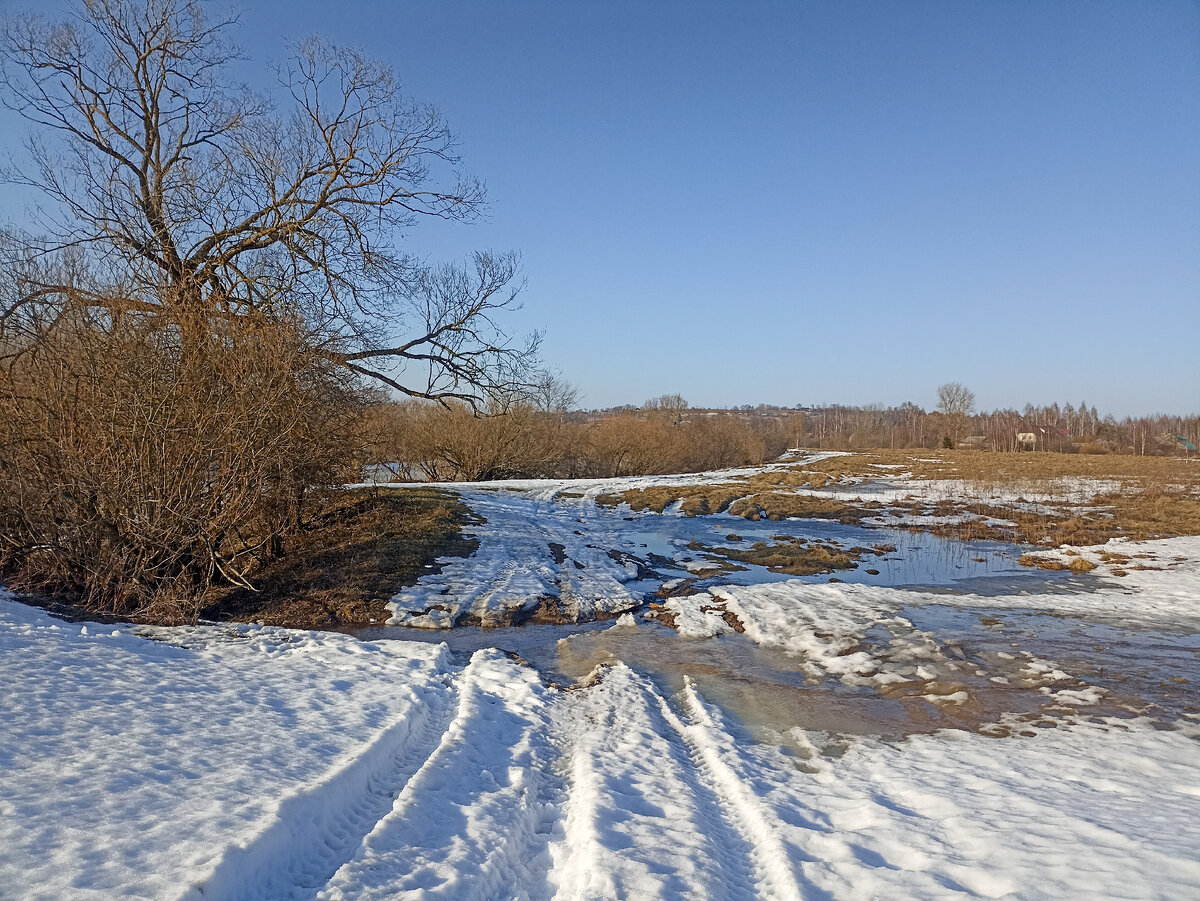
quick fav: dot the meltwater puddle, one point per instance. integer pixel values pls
(677, 546)
(925, 666)
(995, 671)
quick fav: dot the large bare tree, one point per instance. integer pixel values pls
(957, 402)
(175, 192)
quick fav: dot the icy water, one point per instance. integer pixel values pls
(1000, 671)
(1155, 674)
(921, 559)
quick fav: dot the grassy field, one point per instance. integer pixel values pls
(1081, 499)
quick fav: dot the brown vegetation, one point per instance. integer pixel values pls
(143, 463)
(793, 556)
(1150, 497)
(530, 439)
(352, 558)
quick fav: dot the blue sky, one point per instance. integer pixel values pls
(823, 202)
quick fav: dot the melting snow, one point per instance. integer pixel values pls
(247, 762)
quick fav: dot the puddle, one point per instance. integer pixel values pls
(921, 560)
(936, 666)
(1151, 671)
(1012, 669)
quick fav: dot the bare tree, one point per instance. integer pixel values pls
(212, 276)
(551, 393)
(957, 402)
(190, 198)
(671, 405)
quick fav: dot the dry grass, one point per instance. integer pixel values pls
(777, 505)
(793, 556)
(701, 500)
(697, 500)
(830, 470)
(1016, 468)
(352, 559)
(1150, 497)
(1076, 564)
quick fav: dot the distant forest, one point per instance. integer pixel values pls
(544, 440)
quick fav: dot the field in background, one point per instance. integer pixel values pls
(1033, 498)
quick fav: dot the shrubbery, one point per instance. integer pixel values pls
(449, 443)
(143, 461)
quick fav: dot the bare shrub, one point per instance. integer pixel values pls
(452, 442)
(145, 461)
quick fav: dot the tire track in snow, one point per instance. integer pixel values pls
(476, 820)
(740, 806)
(634, 791)
(318, 829)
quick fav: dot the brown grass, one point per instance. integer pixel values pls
(1157, 497)
(698, 500)
(1016, 468)
(352, 559)
(777, 505)
(793, 556)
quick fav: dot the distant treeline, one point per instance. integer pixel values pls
(528, 440)
(1063, 429)
(525, 441)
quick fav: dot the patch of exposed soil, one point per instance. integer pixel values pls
(352, 558)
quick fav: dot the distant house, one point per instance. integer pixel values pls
(1033, 436)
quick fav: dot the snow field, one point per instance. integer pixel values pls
(262, 763)
(475, 820)
(140, 768)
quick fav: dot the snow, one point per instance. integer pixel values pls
(516, 566)
(254, 762)
(137, 767)
(690, 621)
(245, 762)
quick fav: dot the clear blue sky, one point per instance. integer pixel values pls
(835, 201)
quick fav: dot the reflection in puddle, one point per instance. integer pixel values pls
(995, 671)
(920, 559)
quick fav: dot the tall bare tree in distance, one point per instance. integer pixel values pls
(183, 195)
(957, 402)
